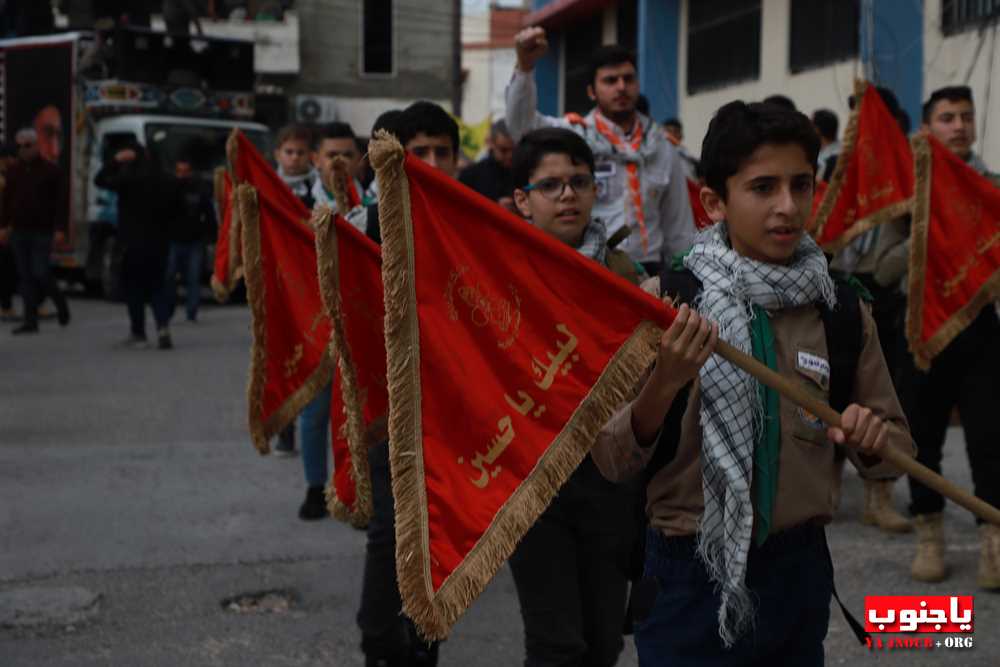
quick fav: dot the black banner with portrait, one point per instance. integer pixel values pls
(38, 94)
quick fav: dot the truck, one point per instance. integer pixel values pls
(88, 94)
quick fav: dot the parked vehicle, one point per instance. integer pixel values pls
(89, 94)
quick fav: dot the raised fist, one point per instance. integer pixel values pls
(531, 45)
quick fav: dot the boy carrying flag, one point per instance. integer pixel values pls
(738, 479)
(568, 567)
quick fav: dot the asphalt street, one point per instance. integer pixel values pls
(132, 505)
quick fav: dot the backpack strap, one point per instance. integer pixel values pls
(844, 340)
(683, 287)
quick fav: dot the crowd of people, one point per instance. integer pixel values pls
(157, 243)
(690, 524)
(697, 521)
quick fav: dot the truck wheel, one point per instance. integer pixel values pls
(111, 271)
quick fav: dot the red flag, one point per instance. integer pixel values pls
(873, 180)
(227, 269)
(701, 219)
(342, 492)
(954, 248)
(350, 269)
(353, 197)
(507, 352)
(291, 359)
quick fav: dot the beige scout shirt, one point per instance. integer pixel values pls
(675, 501)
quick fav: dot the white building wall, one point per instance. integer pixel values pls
(488, 72)
(476, 89)
(947, 62)
(826, 87)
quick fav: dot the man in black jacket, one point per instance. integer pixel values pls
(191, 222)
(142, 234)
(34, 202)
(490, 176)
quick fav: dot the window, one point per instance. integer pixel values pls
(628, 23)
(579, 44)
(822, 32)
(202, 145)
(377, 43)
(723, 43)
(959, 15)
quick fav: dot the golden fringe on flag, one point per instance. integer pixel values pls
(327, 255)
(434, 612)
(261, 431)
(833, 192)
(925, 351)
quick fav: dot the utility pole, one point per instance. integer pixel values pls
(456, 58)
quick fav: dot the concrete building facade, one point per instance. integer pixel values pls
(695, 55)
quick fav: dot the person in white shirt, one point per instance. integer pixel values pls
(640, 177)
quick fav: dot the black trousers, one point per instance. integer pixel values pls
(8, 277)
(387, 637)
(965, 375)
(143, 272)
(790, 578)
(888, 311)
(570, 573)
(31, 253)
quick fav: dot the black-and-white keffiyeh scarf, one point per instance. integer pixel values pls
(595, 241)
(731, 412)
(300, 184)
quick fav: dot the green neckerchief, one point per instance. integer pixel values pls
(768, 444)
(677, 261)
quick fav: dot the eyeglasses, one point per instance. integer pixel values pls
(553, 188)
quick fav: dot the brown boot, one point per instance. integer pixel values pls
(989, 556)
(879, 510)
(928, 565)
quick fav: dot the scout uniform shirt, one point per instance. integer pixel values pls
(805, 464)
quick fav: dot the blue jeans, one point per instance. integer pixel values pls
(791, 582)
(314, 428)
(186, 259)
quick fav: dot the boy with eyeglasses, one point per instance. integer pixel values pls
(569, 568)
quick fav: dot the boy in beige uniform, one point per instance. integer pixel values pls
(736, 541)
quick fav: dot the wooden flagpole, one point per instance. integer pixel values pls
(795, 393)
